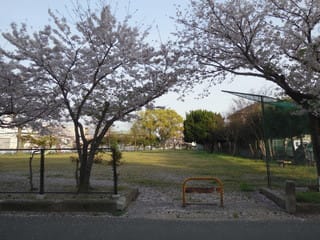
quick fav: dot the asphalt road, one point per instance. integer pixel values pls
(60, 227)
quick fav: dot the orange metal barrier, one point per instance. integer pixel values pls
(218, 189)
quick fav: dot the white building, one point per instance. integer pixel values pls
(65, 134)
(8, 138)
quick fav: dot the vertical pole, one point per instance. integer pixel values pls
(41, 171)
(266, 143)
(315, 139)
(184, 193)
(115, 176)
(290, 197)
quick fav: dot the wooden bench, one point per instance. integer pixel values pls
(212, 189)
(283, 163)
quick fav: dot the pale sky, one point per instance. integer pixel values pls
(153, 13)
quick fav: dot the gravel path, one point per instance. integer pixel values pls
(156, 203)
(166, 202)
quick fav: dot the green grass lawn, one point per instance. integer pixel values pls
(161, 169)
(236, 173)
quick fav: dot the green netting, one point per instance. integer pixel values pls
(265, 99)
(284, 104)
(253, 97)
(281, 124)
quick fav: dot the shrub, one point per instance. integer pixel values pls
(74, 159)
(115, 154)
(98, 158)
(308, 197)
(245, 187)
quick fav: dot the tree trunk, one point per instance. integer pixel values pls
(315, 136)
(86, 160)
(271, 150)
(84, 179)
(85, 173)
(19, 138)
(262, 147)
(235, 147)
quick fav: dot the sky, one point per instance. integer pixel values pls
(155, 13)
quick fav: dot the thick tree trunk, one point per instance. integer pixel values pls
(315, 136)
(86, 161)
(84, 179)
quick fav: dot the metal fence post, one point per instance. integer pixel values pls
(42, 171)
(266, 142)
(115, 177)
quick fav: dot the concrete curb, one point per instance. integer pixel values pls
(310, 208)
(275, 197)
(301, 208)
(71, 205)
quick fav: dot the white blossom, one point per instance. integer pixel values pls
(99, 70)
(277, 40)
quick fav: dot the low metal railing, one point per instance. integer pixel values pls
(17, 167)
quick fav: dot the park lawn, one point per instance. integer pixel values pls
(163, 169)
(235, 172)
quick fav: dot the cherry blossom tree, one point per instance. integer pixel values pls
(20, 103)
(99, 69)
(274, 40)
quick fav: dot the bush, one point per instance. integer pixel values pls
(115, 154)
(308, 197)
(245, 187)
(98, 158)
(74, 159)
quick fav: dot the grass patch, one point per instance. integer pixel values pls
(245, 187)
(308, 197)
(157, 169)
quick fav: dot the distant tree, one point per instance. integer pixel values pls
(169, 125)
(98, 69)
(203, 127)
(122, 138)
(161, 124)
(141, 136)
(47, 141)
(276, 117)
(244, 129)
